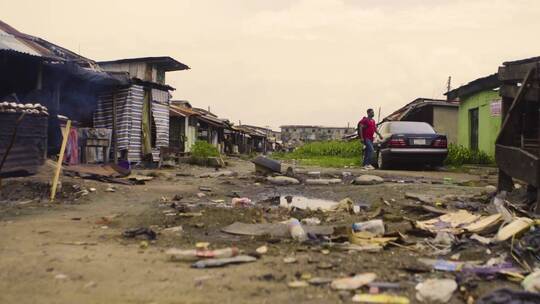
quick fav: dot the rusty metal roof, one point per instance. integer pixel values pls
(165, 62)
(418, 103)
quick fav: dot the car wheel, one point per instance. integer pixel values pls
(382, 163)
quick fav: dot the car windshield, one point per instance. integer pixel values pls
(413, 127)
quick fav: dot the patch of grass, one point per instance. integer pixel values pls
(459, 155)
(326, 154)
(202, 149)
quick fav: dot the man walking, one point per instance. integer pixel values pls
(366, 129)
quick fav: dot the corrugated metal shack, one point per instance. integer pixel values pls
(26, 138)
(517, 149)
(33, 70)
(142, 108)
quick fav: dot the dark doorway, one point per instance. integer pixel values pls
(473, 117)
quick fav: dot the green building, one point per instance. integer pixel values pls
(479, 114)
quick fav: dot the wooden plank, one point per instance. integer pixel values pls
(511, 91)
(517, 100)
(60, 159)
(515, 73)
(518, 163)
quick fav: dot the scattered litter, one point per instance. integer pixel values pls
(223, 261)
(92, 189)
(517, 226)
(289, 260)
(380, 298)
(143, 244)
(110, 189)
(282, 180)
(311, 221)
(531, 282)
(354, 282)
(444, 238)
(147, 233)
(205, 189)
(298, 284)
(331, 181)
(262, 249)
(176, 231)
(374, 226)
(273, 229)
(508, 296)
(201, 195)
(485, 224)
(320, 281)
(435, 290)
(367, 179)
(365, 238)
(61, 276)
(266, 165)
(196, 254)
(482, 240)
(241, 202)
(452, 222)
(296, 231)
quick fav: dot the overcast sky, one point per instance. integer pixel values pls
(274, 62)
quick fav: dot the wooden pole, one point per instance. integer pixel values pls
(60, 159)
(114, 130)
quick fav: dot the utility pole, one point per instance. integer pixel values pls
(449, 84)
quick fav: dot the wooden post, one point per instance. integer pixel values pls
(60, 159)
(114, 131)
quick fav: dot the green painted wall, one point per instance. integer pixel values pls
(488, 124)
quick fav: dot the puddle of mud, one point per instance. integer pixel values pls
(300, 202)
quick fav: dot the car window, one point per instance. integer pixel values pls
(411, 127)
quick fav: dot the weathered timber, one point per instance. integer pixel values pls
(515, 73)
(511, 91)
(518, 163)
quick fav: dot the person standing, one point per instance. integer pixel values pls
(366, 131)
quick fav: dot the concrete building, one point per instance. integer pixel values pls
(298, 134)
(479, 116)
(442, 115)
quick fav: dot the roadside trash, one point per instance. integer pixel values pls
(266, 165)
(442, 265)
(435, 290)
(427, 208)
(262, 250)
(528, 246)
(319, 281)
(480, 239)
(173, 231)
(354, 282)
(201, 195)
(273, 229)
(366, 248)
(296, 231)
(531, 282)
(374, 226)
(331, 181)
(282, 180)
(110, 189)
(498, 202)
(92, 189)
(143, 244)
(223, 261)
(202, 245)
(346, 205)
(380, 298)
(196, 254)
(485, 224)
(490, 189)
(218, 174)
(508, 296)
(298, 284)
(454, 222)
(517, 226)
(444, 238)
(241, 202)
(289, 260)
(367, 179)
(61, 276)
(311, 221)
(147, 233)
(366, 238)
(205, 189)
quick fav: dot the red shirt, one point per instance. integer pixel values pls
(369, 128)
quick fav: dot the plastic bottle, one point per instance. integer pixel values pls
(297, 232)
(374, 226)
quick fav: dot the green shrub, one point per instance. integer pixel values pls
(202, 149)
(330, 148)
(459, 155)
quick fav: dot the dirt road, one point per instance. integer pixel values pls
(74, 252)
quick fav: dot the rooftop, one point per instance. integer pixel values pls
(485, 83)
(164, 62)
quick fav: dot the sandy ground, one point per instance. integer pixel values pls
(66, 252)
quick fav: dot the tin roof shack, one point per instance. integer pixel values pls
(258, 139)
(182, 127)
(138, 113)
(517, 150)
(210, 128)
(479, 114)
(440, 114)
(23, 138)
(33, 70)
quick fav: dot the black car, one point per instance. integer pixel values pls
(409, 142)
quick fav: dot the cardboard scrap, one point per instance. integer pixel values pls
(452, 222)
(366, 238)
(484, 224)
(517, 226)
